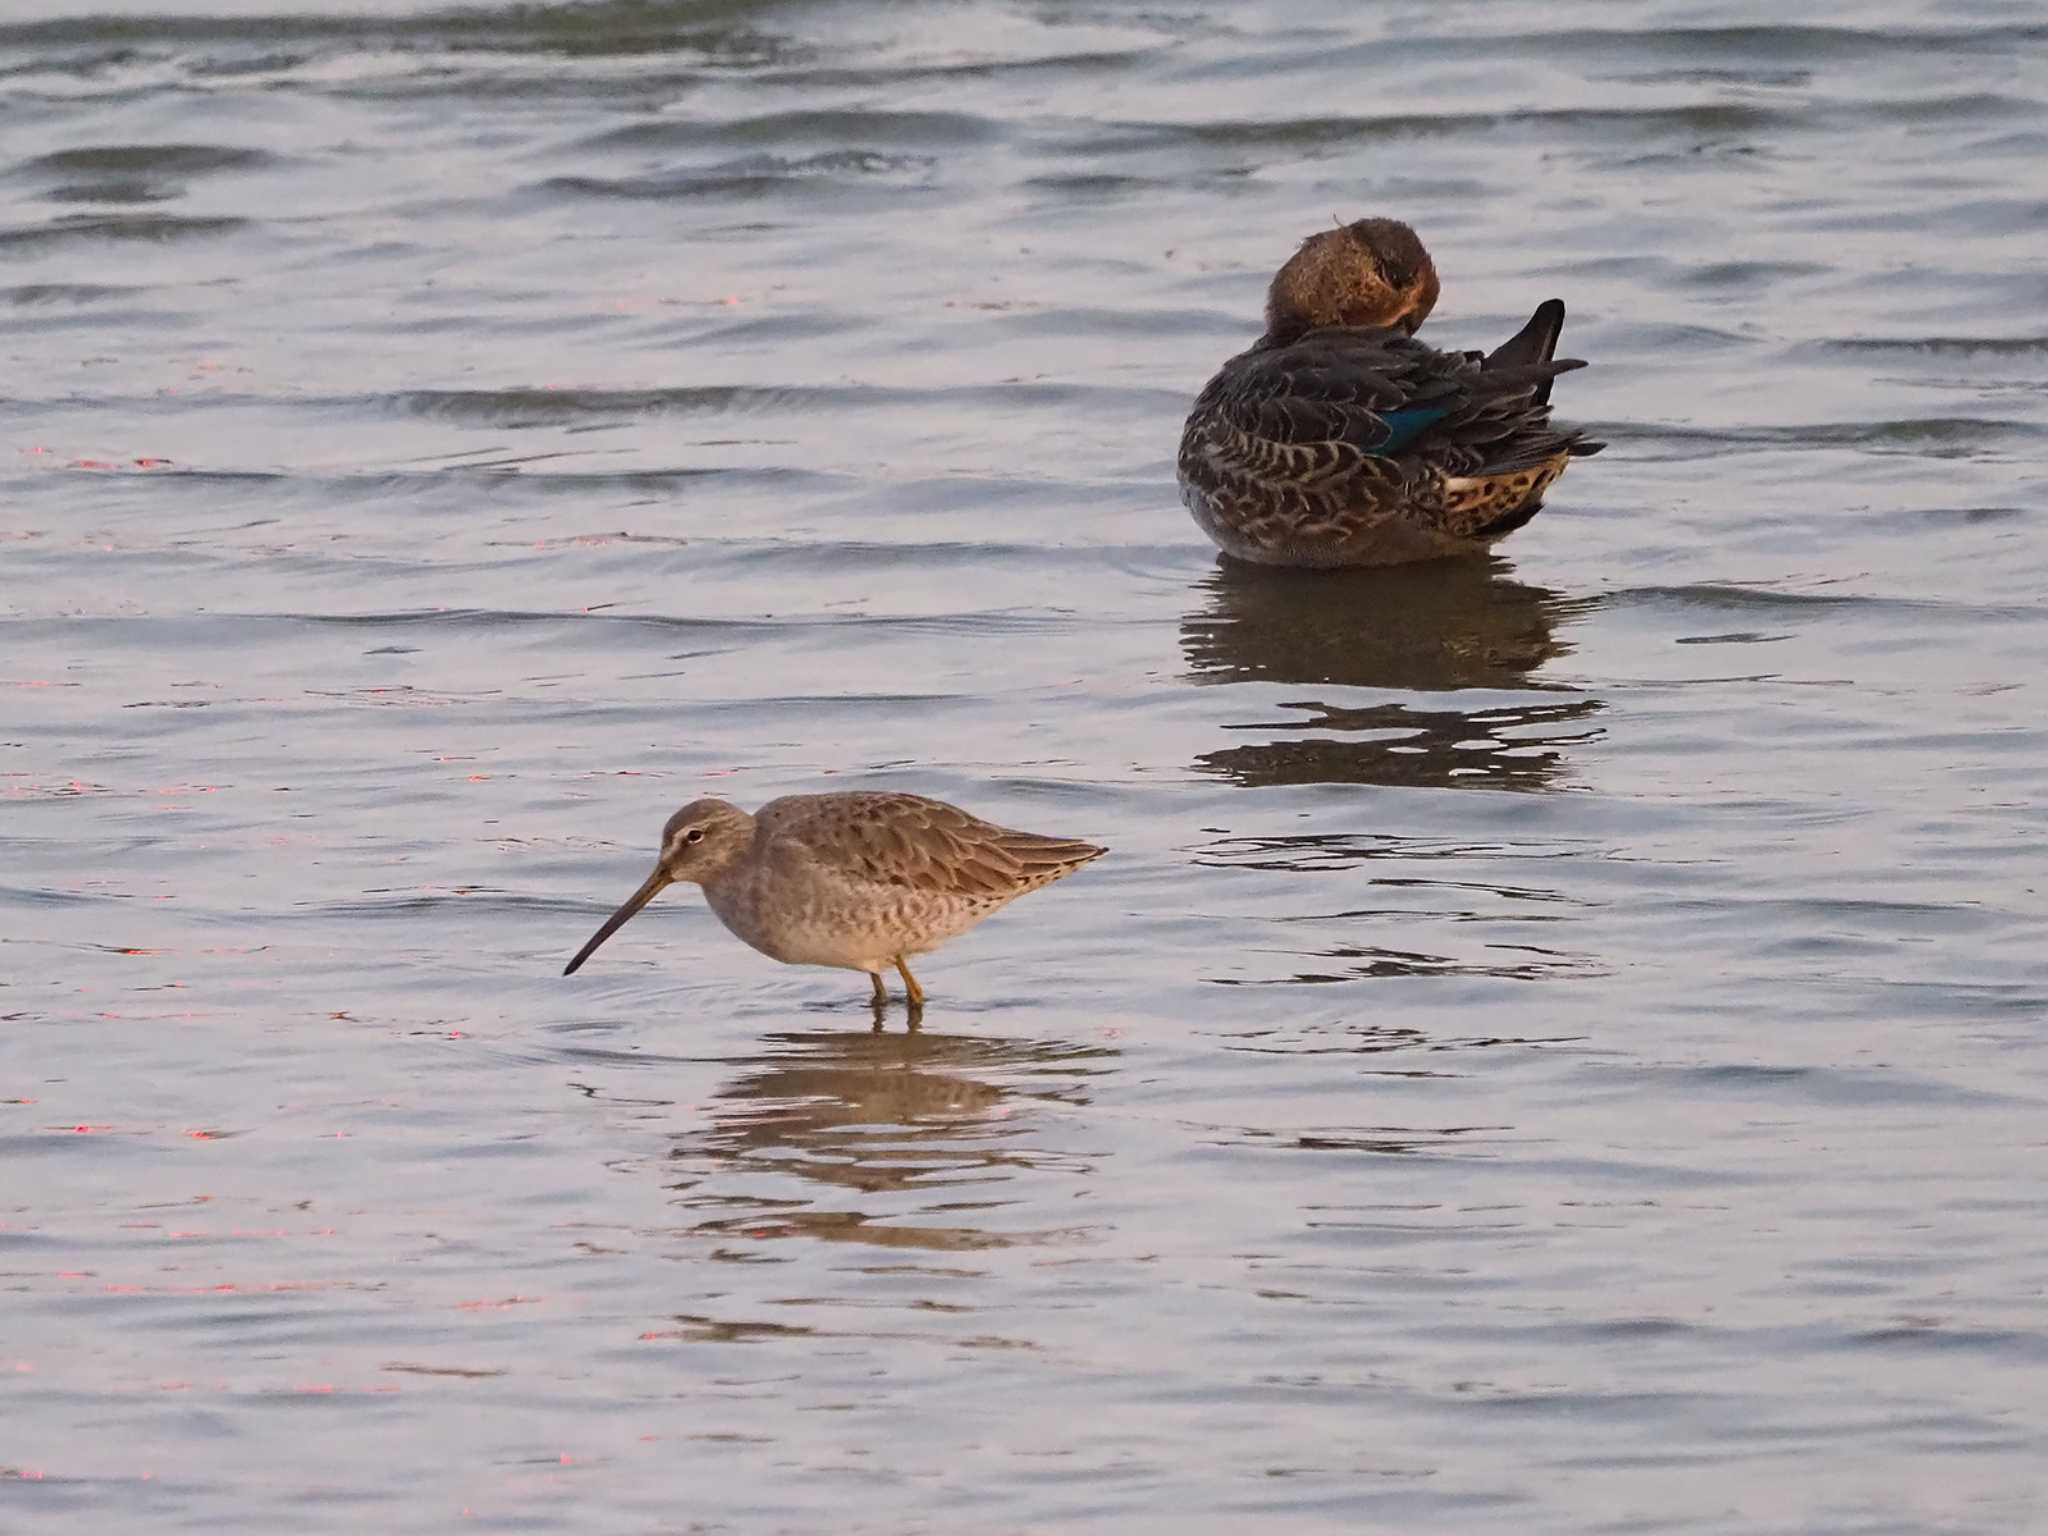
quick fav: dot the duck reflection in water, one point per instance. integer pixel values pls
(913, 1124)
(1442, 628)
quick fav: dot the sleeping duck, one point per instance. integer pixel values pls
(1339, 439)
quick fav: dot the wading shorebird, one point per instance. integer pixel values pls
(1339, 439)
(859, 880)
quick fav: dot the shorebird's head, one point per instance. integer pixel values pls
(1374, 273)
(702, 840)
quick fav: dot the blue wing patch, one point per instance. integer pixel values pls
(1409, 423)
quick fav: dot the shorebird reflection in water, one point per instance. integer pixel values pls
(1428, 630)
(858, 880)
(842, 1136)
(955, 1102)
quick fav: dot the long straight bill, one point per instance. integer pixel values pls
(647, 892)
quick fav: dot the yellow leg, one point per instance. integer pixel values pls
(911, 990)
(881, 992)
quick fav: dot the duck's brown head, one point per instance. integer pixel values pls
(1374, 272)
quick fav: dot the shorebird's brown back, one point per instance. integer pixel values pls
(917, 843)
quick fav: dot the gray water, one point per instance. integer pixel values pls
(1557, 1045)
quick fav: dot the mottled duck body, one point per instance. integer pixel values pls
(1340, 439)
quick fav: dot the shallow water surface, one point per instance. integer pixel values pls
(1557, 1045)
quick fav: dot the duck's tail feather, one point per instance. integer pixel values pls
(1535, 345)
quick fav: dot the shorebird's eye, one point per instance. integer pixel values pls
(694, 835)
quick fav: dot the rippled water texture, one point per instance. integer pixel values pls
(1557, 1046)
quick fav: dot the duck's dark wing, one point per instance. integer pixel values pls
(1319, 408)
(1311, 407)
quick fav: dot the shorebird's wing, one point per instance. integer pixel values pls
(912, 842)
